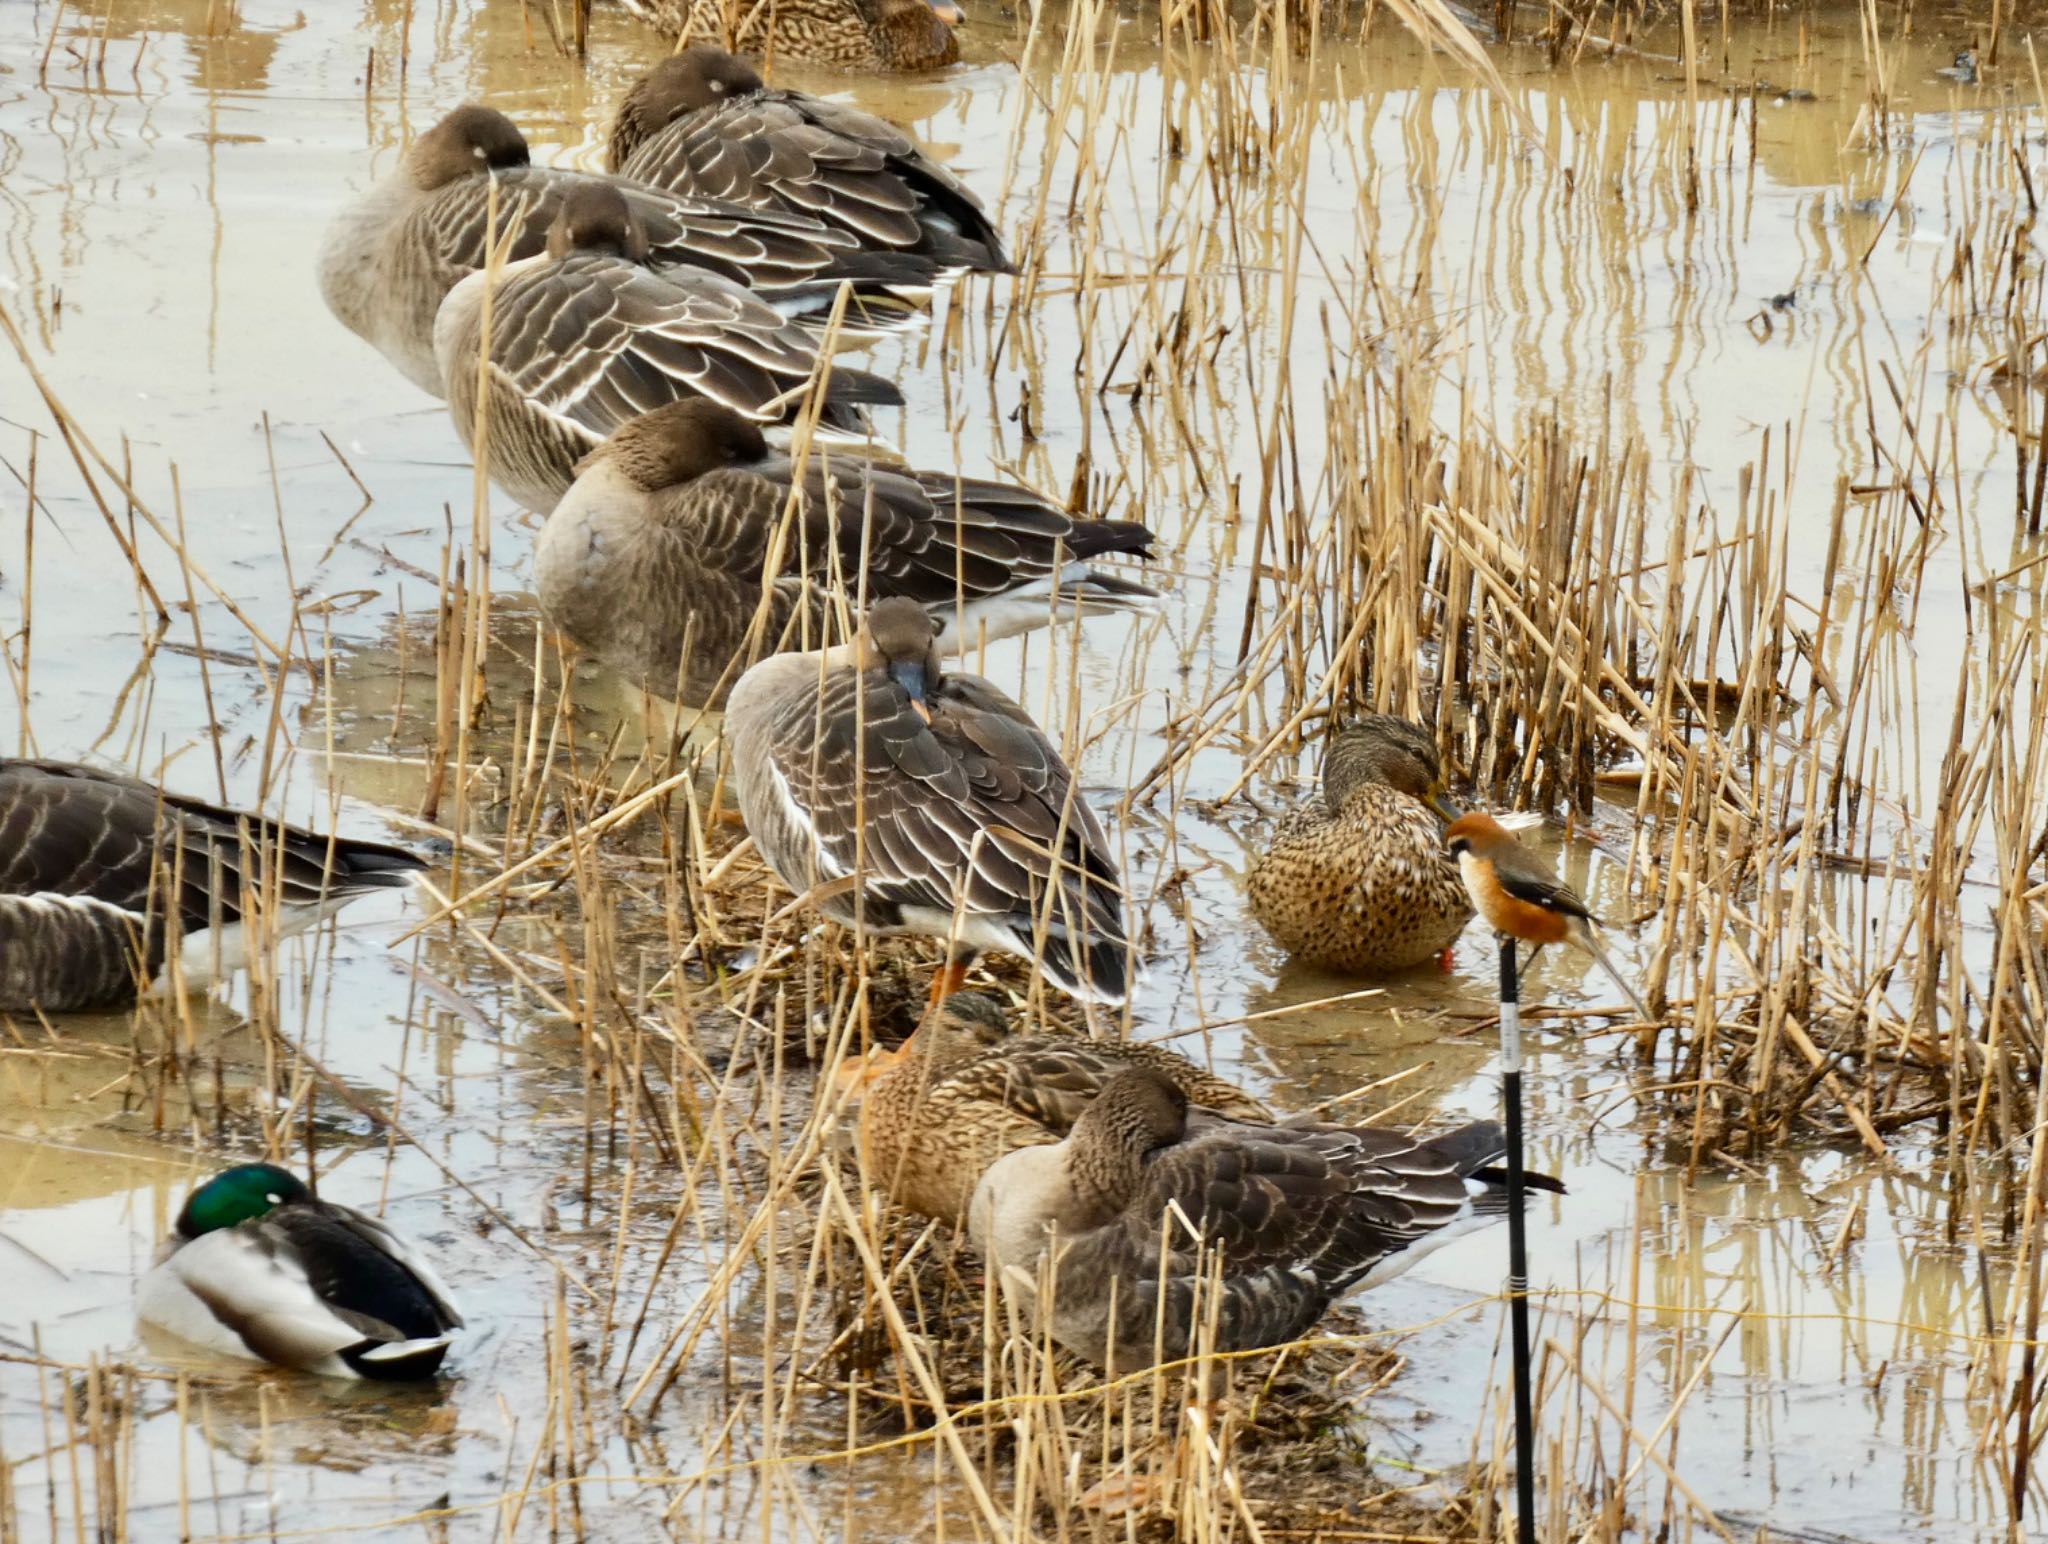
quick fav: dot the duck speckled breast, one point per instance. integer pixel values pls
(816, 31)
(1367, 890)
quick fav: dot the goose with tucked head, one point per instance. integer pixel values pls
(260, 1268)
(584, 339)
(1358, 881)
(390, 257)
(657, 559)
(1133, 1212)
(702, 122)
(922, 801)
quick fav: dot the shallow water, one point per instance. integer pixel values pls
(162, 191)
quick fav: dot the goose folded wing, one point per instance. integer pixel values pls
(968, 806)
(1327, 1201)
(923, 536)
(595, 343)
(73, 831)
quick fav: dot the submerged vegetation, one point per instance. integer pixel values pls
(1698, 515)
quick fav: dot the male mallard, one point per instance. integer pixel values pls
(1300, 1214)
(88, 860)
(929, 803)
(967, 1090)
(702, 122)
(852, 34)
(390, 257)
(1360, 881)
(583, 338)
(259, 1268)
(666, 534)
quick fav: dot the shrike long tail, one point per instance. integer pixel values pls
(1588, 939)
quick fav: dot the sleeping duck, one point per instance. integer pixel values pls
(259, 1267)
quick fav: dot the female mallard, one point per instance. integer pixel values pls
(1299, 1214)
(1360, 882)
(966, 1090)
(927, 803)
(259, 1268)
(852, 34)
(102, 877)
(665, 538)
(583, 338)
(702, 123)
(390, 258)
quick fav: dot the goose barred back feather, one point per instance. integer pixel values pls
(99, 873)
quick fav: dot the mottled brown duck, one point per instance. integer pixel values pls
(662, 546)
(968, 1089)
(1358, 881)
(703, 123)
(850, 34)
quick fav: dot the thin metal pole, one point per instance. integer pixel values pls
(1518, 1245)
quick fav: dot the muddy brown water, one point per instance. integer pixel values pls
(162, 189)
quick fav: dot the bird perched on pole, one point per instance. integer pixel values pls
(1517, 895)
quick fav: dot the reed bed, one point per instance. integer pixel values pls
(1716, 672)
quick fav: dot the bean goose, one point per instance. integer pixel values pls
(967, 1090)
(584, 339)
(927, 803)
(101, 876)
(702, 122)
(853, 34)
(259, 1268)
(665, 537)
(1358, 880)
(1140, 1198)
(390, 257)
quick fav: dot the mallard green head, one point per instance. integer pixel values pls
(1380, 748)
(236, 1195)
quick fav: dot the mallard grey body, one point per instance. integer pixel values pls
(937, 792)
(665, 538)
(585, 339)
(966, 1090)
(306, 1284)
(702, 123)
(1300, 1213)
(852, 34)
(1358, 880)
(89, 860)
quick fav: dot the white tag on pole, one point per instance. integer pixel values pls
(1510, 1037)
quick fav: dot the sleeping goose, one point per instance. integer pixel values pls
(1300, 1213)
(259, 1268)
(927, 803)
(966, 1090)
(665, 537)
(390, 257)
(852, 34)
(584, 339)
(702, 122)
(87, 859)
(1359, 880)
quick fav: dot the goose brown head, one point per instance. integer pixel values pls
(595, 217)
(471, 139)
